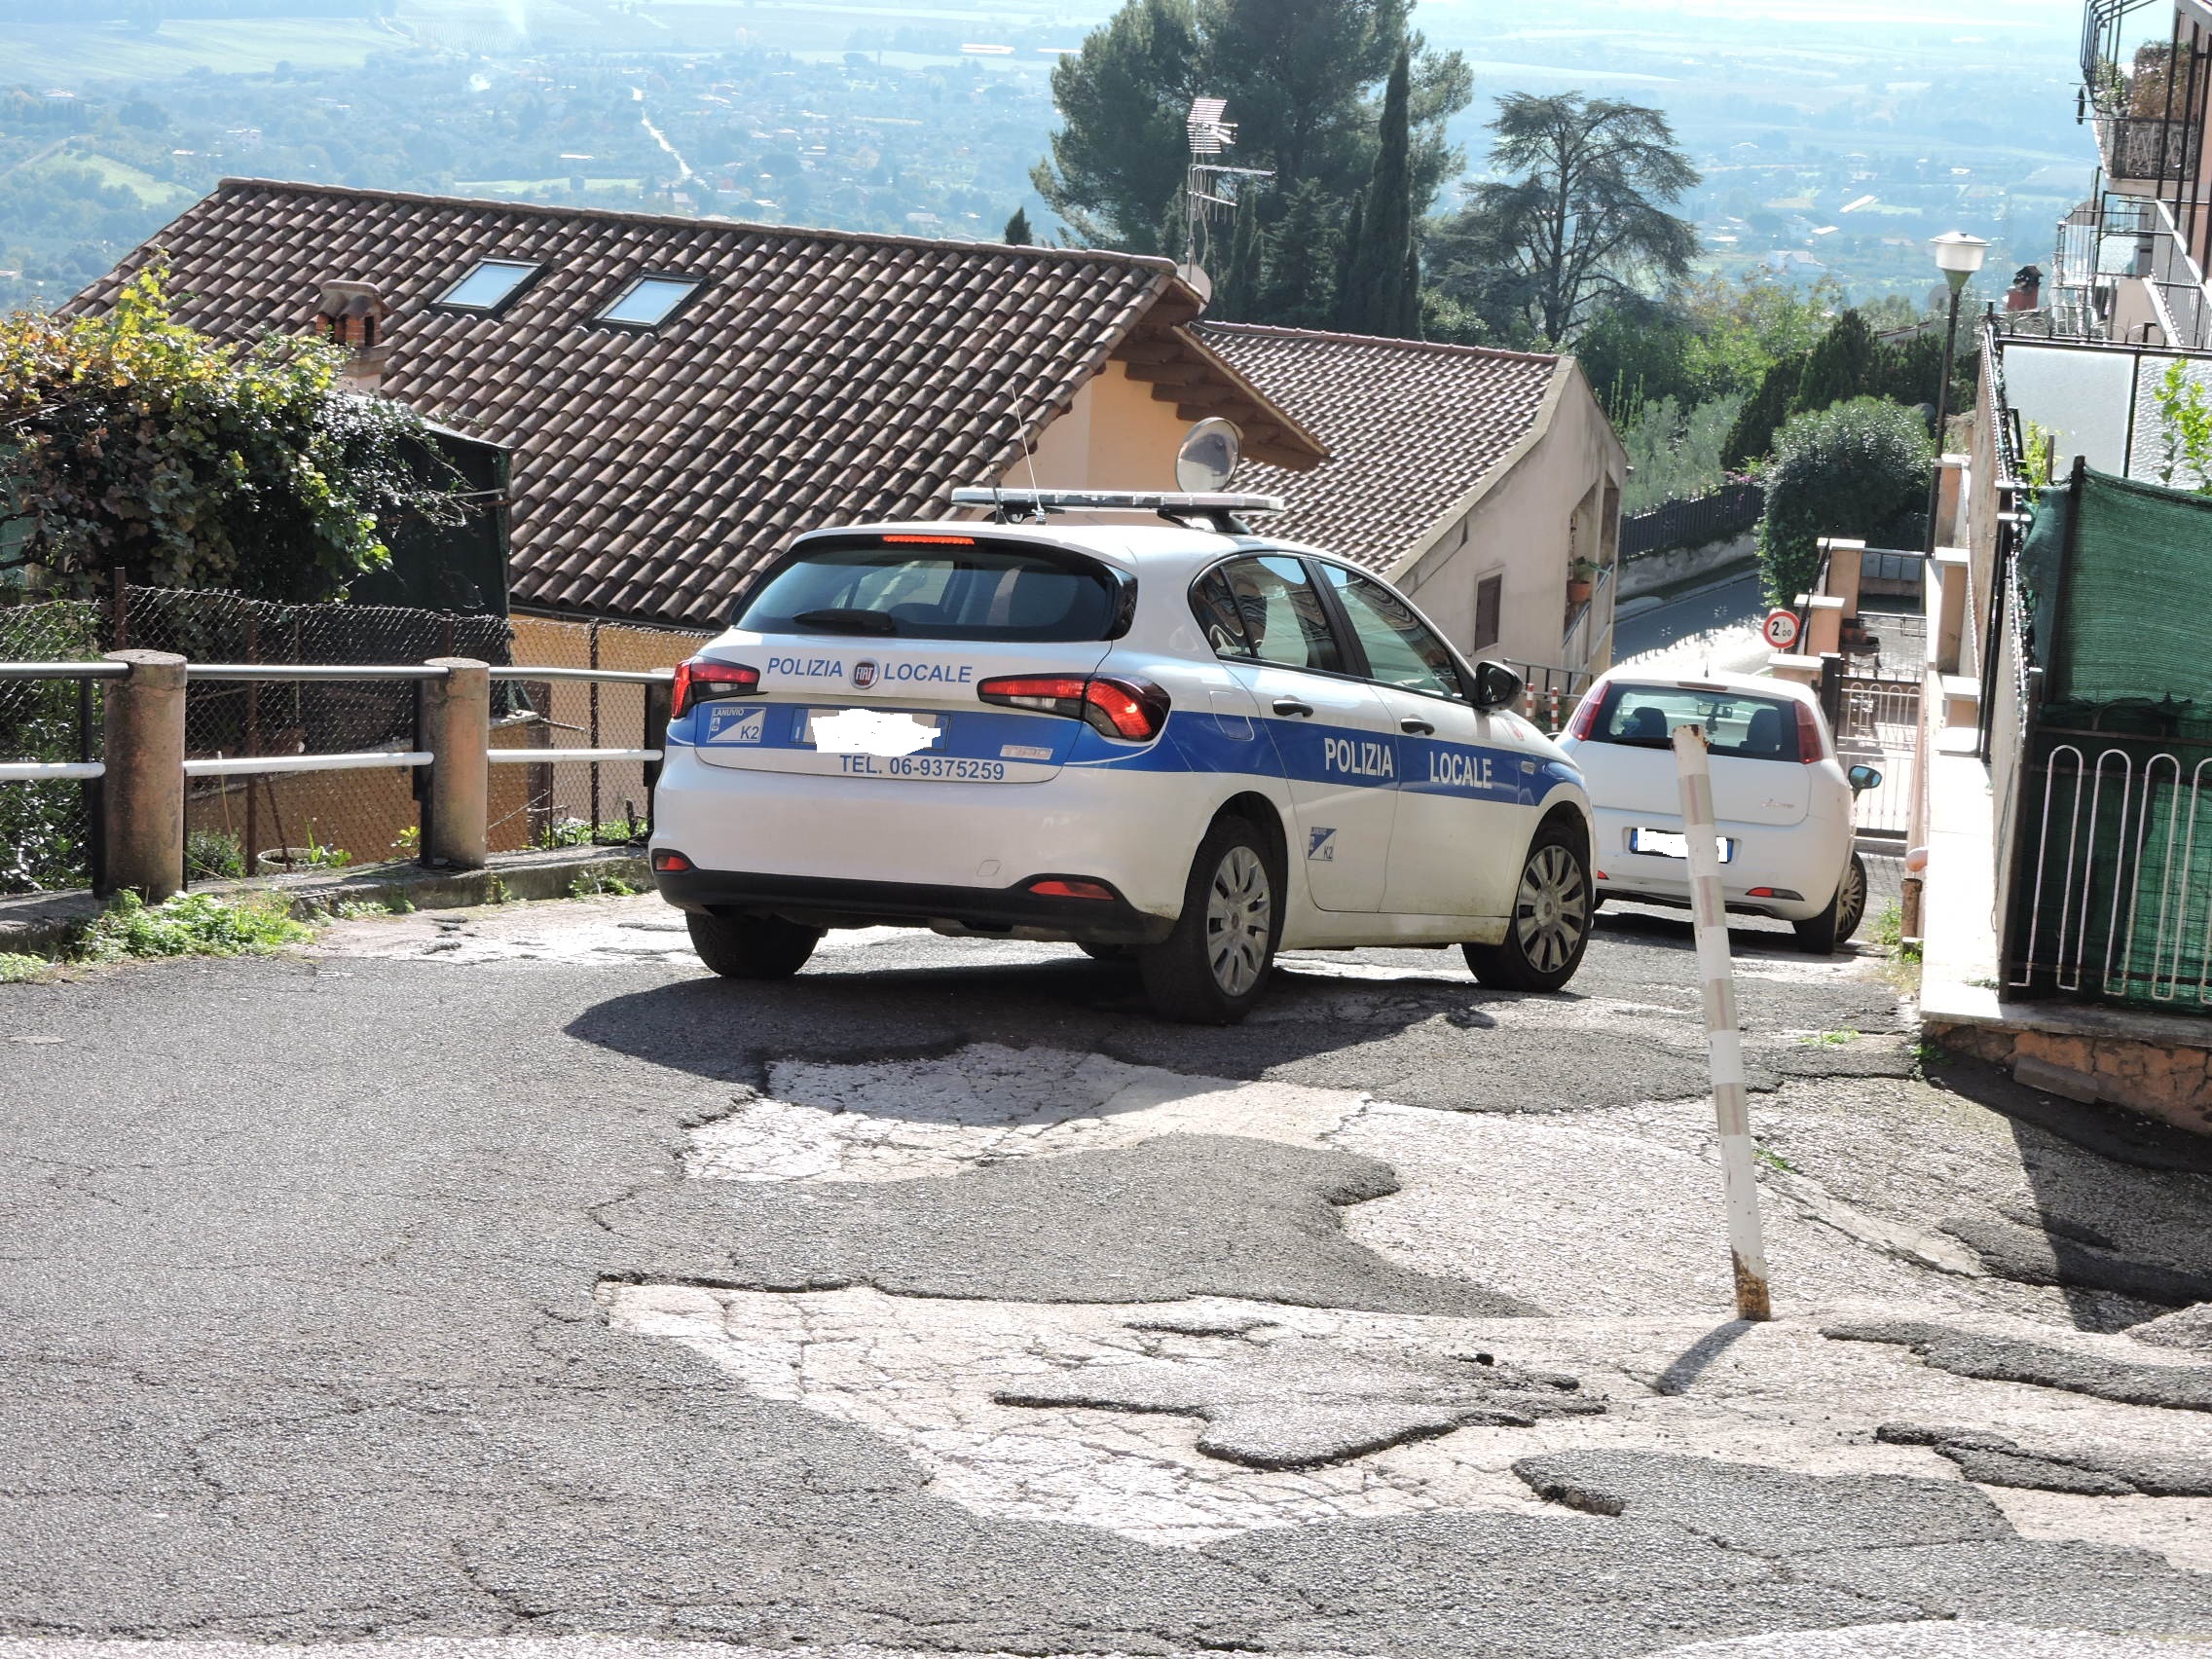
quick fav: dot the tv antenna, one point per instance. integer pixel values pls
(1212, 188)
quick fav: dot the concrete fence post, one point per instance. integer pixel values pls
(1724, 1033)
(142, 796)
(457, 728)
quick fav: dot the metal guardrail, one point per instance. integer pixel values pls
(606, 676)
(65, 670)
(268, 765)
(300, 672)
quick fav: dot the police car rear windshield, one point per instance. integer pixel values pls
(937, 587)
(1736, 723)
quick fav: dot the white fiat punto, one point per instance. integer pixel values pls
(1177, 743)
(1781, 798)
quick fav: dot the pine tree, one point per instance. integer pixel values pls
(1351, 302)
(1301, 284)
(1017, 231)
(1374, 299)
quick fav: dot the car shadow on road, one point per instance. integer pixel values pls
(730, 1029)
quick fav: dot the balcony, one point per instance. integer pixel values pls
(2122, 273)
(2143, 149)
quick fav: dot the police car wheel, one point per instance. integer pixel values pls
(752, 947)
(1549, 930)
(1214, 966)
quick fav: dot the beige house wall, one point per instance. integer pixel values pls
(1116, 436)
(1554, 498)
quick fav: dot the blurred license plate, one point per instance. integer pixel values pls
(1667, 844)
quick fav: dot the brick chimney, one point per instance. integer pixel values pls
(2026, 291)
(353, 316)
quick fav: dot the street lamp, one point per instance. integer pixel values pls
(1958, 256)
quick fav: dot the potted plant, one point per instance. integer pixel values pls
(1580, 576)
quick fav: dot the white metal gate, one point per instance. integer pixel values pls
(1877, 725)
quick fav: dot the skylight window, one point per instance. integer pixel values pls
(490, 283)
(649, 301)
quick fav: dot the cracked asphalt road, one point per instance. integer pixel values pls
(501, 1275)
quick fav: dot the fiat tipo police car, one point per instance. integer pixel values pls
(1178, 744)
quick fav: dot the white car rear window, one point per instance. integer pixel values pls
(937, 588)
(1736, 723)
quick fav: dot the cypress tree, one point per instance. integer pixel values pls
(1377, 296)
(1017, 231)
(1841, 366)
(1408, 324)
(1237, 295)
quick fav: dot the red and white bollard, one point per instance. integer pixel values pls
(1723, 1034)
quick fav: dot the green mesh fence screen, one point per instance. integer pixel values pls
(2133, 624)
(2117, 803)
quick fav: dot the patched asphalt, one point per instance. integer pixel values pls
(303, 1338)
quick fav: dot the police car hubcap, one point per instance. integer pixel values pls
(1240, 917)
(1553, 908)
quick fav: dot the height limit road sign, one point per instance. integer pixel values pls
(1780, 629)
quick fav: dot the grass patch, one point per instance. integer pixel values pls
(1829, 1038)
(596, 884)
(17, 969)
(1889, 926)
(1927, 1054)
(192, 923)
(1773, 1159)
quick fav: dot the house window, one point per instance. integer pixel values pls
(490, 286)
(1490, 596)
(649, 301)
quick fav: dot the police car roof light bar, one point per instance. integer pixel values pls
(1178, 506)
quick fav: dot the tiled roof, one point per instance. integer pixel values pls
(816, 377)
(1411, 427)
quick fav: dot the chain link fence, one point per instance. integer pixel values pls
(45, 829)
(248, 825)
(571, 803)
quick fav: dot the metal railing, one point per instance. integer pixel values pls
(279, 765)
(1692, 522)
(1550, 695)
(87, 772)
(2118, 837)
(90, 771)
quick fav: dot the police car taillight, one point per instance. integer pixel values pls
(1132, 710)
(702, 680)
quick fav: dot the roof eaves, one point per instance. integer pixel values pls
(1301, 440)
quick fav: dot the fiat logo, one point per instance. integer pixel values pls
(864, 674)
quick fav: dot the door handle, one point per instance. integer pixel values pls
(1417, 728)
(1292, 706)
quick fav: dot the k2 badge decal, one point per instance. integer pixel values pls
(736, 725)
(1321, 846)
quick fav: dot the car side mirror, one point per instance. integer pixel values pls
(1863, 778)
(1497, 686)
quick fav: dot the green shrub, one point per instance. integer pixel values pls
(19, 970)
(1855, 469)
(192, 923)
(213, 855)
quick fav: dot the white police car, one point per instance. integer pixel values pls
(1179, 742)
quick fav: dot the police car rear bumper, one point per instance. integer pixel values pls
(820, 901)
